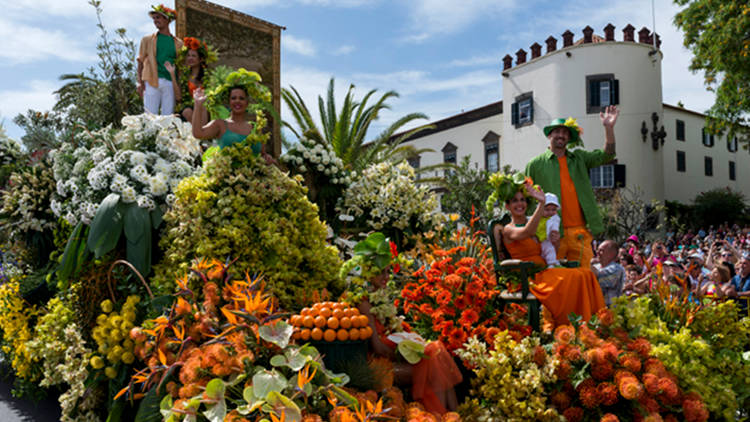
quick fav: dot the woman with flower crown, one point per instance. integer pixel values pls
(236, 92)
(560, 290)
(189, 72)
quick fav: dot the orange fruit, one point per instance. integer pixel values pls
(333, 323)
(338, 305)
(354, 334)
(316, 334)
(319, 321)
(346, 323)
(342, 334)
(296, 320)
(337, 312)
(365, 332)
(325, 312)
(355, 311)
(329, 335)
(348, 312)
(363, 321)
(295, 334)
(305, 334)
(308, 321)
(305, 312)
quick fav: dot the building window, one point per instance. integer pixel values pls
(522, 111)
(708, 138)
(708, 165)
(680, 135)
(414, 161)
(491, 143)
(603, 176)
(681, 161)
(449, 157)
(732, 144)
(732, 171)
(601, 91)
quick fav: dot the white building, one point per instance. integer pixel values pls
(661, 148)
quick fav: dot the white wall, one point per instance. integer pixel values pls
(558, 83)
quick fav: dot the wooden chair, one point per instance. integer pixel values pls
(504, 265)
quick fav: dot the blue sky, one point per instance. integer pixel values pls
(442, 57)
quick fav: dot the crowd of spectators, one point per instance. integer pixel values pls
(710, 263)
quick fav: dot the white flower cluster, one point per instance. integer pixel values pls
(317, 158)
(143, 163)
(386, 196)
(78, 402)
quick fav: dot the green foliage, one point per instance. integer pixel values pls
(11, 157)
(627, 213)
(102, 96)
(716, 31)
(346, 129)
(468, 189)
(245, 209)
(42, 130)
(717, 206)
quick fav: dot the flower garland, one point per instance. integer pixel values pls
(163, 10)
(218, 96)
(505, 187)
(571, 123)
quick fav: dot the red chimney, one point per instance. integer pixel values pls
(567, 38)
(627, 33)
(609, 32)
(507, 62)
(643, 36)
(536, 50)
(587, 33)
(551, 44)
(520, 56)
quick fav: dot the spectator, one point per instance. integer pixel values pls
(741, 281)
(696, 270)
(633, 244)
(639, 259)
(635, 284)
(659, 254)
(611, 275)
(718, 284)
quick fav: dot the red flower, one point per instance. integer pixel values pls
(630, 388)
(560, 400)
(651, 382)
(631, 362)
(573, 353)
(606, 317)
(694, 410)
(649, 404)
(453, 281)
(460, 302)
(443, 298)
(425, 308)
(669, 389)
(654, 366)
(609, 418)
(602, 371)
(466, 261)
(457, 338)
(607, 393)
(564, 334)
(489, 336)
(540, 356)
(573, 414)
(468, 318)
(641, 346)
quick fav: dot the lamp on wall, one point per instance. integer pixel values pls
(658, 134)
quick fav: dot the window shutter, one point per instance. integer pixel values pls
(531, 110)
(615, 93)
(514, 114)
(619, 175)
(594, 94)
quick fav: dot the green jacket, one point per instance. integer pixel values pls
(544, 169)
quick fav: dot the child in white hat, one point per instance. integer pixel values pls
(550, 224)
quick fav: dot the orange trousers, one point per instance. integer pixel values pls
(575, 245)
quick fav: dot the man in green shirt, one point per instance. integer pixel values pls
(566, 174)
(154, 81)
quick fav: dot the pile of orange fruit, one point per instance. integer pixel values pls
(330, 321)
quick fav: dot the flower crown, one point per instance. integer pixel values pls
(207, 53)
(571, 123)
(161, 9)
(250, 81)
(504, 187)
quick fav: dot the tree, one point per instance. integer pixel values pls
(346, 130)
(466, 188)
(102, 96)
(627, 213)
(718, 206)
(718, 34)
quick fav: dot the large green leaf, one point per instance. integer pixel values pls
(282, 403)
(267, 381)
(278, 333)
(150, 408)
(136, 221)
(69, 260)
(107, 226)
(138, 233)
(157, 216)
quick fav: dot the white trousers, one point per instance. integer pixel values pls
(549, 253)
(162, 98)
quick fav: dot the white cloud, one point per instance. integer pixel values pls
(297, 45)
(432, 17)
(343, 50)
(489, 59)
(24, 44)
(37, 95)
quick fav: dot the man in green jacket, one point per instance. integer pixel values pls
(566, 174)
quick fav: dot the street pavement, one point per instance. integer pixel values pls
(23, 410)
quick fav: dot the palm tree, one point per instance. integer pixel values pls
(345, 130)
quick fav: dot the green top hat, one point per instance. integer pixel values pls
(575, 130)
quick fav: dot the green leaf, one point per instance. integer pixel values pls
(149, 409)
(518, 178)
(282, 403)
(279, 333)
(268, 381)
(296, 360)
(216, 412)
(210, 153)
(166, 406)
(411, 351)
(215, 389)
(279, 360)
(136, 222)
(157, 216)
(115, 414)
(107, 226)
(70, 255)
(139, 253)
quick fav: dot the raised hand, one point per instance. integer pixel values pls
(199, 96)
(170, 68)
(609, 116)
(535, 192)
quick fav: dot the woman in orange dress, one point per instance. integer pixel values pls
(561, 290)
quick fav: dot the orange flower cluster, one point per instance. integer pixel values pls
(451, 296)
(205, 333)
(191, 43)
(621, 379)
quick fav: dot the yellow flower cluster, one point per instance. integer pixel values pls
(15, 328)
(111, 335)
